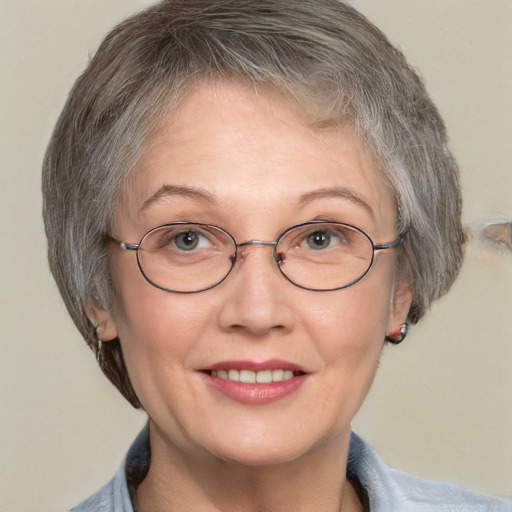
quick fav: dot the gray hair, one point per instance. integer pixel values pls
(322, 54)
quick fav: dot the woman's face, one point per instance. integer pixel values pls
(252, 164)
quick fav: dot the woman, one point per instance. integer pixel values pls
(244, 201)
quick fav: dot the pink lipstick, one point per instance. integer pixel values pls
(255, 382)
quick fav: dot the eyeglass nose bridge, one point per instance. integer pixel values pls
(277, 257)
(256, 242)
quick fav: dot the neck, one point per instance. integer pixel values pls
(185, 481)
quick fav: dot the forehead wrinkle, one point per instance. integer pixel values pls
(337, 192)
(166, 191)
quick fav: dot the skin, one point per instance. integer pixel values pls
(253, 156)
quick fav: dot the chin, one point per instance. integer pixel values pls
(258, 457)
(262, 449)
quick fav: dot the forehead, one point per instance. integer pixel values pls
(233, 140)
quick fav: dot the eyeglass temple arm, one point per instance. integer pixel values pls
(124, 245)
(129, 247)
(390, 245)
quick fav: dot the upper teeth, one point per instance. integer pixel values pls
(250, 377)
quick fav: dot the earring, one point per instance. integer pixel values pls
(403, 333)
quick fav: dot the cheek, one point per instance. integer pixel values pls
(155, 321)
(353, 319)
(160, 337)
(349, 329)
(155, 328)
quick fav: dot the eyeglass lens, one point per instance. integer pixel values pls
(189, 257)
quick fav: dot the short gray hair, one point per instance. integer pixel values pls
(322, 54)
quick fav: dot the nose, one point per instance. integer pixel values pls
(258, 300)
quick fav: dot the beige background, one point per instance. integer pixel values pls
(441, 406)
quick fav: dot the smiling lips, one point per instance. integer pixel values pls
(255, 383)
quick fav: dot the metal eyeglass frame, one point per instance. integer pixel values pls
(277, 258)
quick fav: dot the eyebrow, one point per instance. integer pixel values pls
(203, 195)
(179, 190)
(337, 192)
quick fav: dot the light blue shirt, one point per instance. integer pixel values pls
(387, 489)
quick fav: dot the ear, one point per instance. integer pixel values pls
(401, 301)
(102, 319)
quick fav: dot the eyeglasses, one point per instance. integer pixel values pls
(189, 257)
